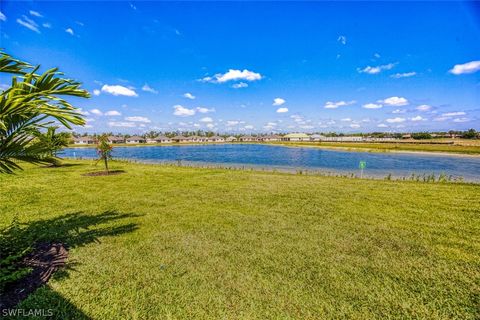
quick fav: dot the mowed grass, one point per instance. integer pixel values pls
(176, 243)
(463, 147)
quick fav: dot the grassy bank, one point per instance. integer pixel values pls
(160, 242)
(460, 147)
(392, 147)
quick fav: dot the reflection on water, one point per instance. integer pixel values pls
(378, 164)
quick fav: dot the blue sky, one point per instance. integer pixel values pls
(258, 67)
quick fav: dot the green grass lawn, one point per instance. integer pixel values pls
(160, 242)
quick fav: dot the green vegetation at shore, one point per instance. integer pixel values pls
(163, 242)
(387, 147)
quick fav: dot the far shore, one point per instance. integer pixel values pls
(403, 147)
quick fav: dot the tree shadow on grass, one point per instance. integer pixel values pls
(71, 230)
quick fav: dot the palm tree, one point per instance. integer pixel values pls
(53, 142)
(104, 150)
(32, 102)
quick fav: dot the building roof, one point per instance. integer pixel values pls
(113, 138)
(247, 137)
(271, 136)
(180, 138)
(296, 135)
(317, 136)
(135, 138)
(216, 137)
(231, 137)
(83, 138)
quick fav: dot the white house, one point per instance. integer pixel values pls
(231, 139)
(84, 140)
(296, 137)
(135, 139)
(216, 139)
(159, 139)
(317, 137)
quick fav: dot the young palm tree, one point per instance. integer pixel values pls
(33, 101)
(104, 150)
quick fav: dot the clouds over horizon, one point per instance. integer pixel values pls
(233, 75)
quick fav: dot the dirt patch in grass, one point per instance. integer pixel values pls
(103, 173)
(44, 261)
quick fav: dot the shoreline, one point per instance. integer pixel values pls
(350, 174)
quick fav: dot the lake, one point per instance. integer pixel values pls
(296, 158)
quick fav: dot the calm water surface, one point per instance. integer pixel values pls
(280, 157)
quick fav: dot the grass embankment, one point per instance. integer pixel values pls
(388, 147)
(168, 242)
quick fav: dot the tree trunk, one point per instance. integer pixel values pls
(106, 164)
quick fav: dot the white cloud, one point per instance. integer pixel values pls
(377, 69)
(147, 88)
(424, 107)
(382, 125)
(96, 112)
(239, 85)
(188, 95)
(35, 13)
(454, 114)
(278, 102)
(282, 110)
(403, 75)
(182, 111)
(342, 40)
(377, 55)
(138, 119)
(206, 119)
(417, 118)
(395, 120)
(122, 124)
(469, 67)
(205, 110)
(398, 111)
(233, 75)
(70, 31)
(3, 17)
(394, 101)
(28, 23)
(232, 123)
(334, 105)
(46, 25)
(118, 90)
(346, 119)
(113, 113)
(96, 92)
(441, 118)
(372, 106)
(459, 120)
(354, 125)
(249, 127)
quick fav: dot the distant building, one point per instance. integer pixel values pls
(198, 139)
(181, 139)
(216, 139)
(159, 139)
(247, 138)
(135, 139)
(84, 140)
(114, 140)
(272, 137)
(317, 137)
(231, 139)
(296, 137)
